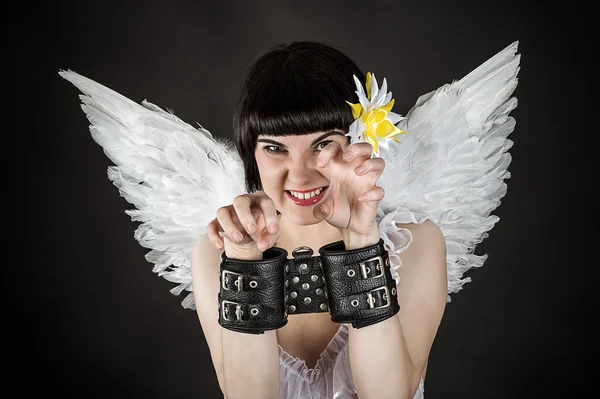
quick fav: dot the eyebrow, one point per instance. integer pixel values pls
(318, 139)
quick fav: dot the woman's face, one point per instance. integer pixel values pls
(289, 173)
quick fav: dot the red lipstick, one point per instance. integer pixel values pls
(307, 201)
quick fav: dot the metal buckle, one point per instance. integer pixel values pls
(363, 267)
(238, 310)
(239, 282)
(386, 296)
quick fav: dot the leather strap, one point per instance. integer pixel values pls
(359, 284)
(305, 287)
(251, 297)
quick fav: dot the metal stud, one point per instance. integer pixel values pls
(254, 311)
(303, 266)
(323, 306)
(307, 300)
(306, 286)
(295, 280)
(293, 294)
(287, 268)
(292, 309)
(314, 277)
(393, 291)
(319, 291)
(354, 303)
(287, 282)
(253, 284)
(351, 273)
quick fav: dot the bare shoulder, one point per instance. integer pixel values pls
(428, 247)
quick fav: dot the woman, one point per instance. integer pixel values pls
(290, 128)
(312, 298)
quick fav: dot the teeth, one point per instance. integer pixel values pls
(307, 195)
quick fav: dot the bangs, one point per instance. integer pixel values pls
(289, 104)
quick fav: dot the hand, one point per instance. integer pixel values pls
(352, 198)
(249, 225)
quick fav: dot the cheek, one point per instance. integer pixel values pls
(271, 173)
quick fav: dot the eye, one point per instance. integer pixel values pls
(273, 149)
(322, 145)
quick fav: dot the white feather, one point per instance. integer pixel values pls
(451, 165)
(175, 175)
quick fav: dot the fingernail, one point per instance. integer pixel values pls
(273, 228)
(251, 228)
(348, 156)
(237, 236)
(360, 170)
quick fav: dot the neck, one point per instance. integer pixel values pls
(314, 235)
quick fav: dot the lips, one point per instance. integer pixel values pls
(308, 201)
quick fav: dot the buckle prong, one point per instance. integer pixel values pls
(238, 310)
(239, 282)
(363, 267)
(386, 296)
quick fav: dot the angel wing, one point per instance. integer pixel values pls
(450, 167)
(172, 173)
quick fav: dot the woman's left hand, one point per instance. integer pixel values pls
(353, 196)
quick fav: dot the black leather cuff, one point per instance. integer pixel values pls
(251, 298)
(359, 283)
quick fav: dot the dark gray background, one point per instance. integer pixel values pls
(92, 320)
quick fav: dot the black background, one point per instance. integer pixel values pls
(91, 320)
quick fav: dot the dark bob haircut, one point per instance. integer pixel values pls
(290, 89)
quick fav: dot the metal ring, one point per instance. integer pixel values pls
(354, 303)
(253, 284)
(351, 273)
(302, 249)
(393, 291)
(254, 311)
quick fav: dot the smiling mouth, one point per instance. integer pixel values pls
(306, 198)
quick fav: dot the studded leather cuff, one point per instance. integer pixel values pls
(359, 283)
(304, 283)
(251, 297)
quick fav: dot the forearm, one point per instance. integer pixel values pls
(250, 364)
(378, 353)
(250, 361)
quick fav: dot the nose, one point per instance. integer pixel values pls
(301, 171)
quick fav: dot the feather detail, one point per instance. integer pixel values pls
(452, 164)
(172, 173)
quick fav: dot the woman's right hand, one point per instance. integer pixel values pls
(248, 225)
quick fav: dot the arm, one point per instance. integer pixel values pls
(396, 350)
(250, 361)
(247, 365)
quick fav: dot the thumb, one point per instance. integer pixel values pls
(322, 211)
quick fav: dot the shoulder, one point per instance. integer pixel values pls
(428, 243)
(424, 261)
